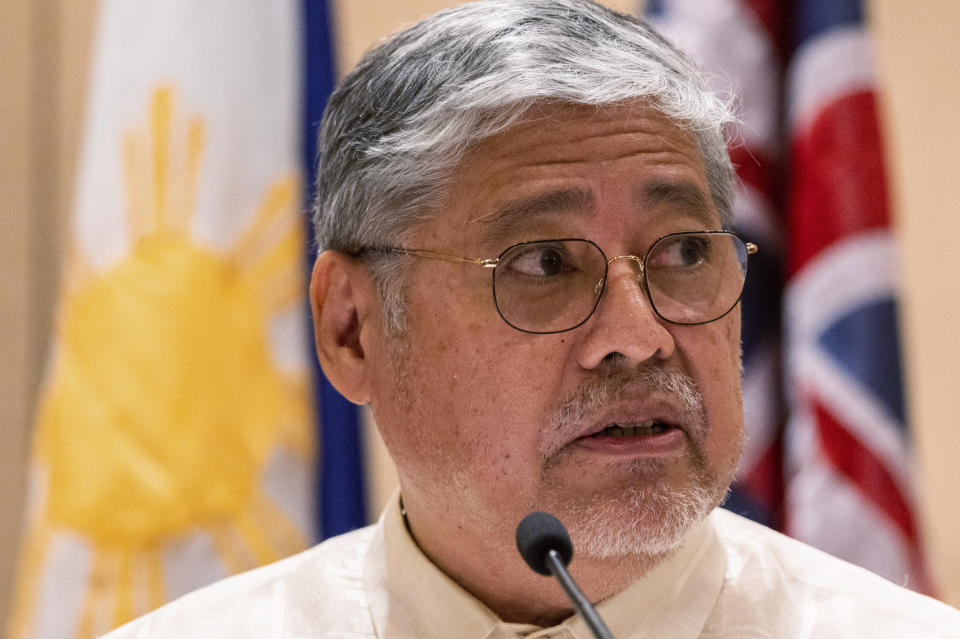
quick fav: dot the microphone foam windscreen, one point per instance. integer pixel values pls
(539, 533)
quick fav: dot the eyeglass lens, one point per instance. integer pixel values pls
(555, 285)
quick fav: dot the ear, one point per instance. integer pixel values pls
(341, 298)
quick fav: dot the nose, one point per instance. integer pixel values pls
(624, 327)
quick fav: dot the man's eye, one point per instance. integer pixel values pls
(541, 261)
(681, 252)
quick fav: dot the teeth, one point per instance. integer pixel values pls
(638, 430)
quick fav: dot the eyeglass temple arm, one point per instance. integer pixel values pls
(486, 263)
(751, 248)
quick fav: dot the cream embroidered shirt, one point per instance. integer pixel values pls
(731, 579)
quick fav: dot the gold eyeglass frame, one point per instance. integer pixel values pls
(491, 263)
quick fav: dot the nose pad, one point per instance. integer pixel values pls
(624, 281)
(598, 287)
(636, 260)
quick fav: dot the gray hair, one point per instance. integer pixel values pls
(397, 126)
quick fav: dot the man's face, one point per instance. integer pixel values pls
(487, 423)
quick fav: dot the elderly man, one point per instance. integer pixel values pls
(526, 274)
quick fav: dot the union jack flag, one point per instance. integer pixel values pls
(848, 450)
(814, 151)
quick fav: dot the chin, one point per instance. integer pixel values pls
(649, 520)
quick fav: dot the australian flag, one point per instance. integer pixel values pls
(834, 468)
(848, 454)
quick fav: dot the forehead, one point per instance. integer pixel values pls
(565, 130)
(575, 161)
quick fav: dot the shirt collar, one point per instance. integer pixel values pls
(410, 597)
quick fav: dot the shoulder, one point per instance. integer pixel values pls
(778, 583)
(317, 593)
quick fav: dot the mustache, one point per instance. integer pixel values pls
(593, 394)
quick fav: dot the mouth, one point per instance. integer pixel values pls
(653, 437)
(642, 429)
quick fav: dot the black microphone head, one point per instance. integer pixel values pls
(537, 534)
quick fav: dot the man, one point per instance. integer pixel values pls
(525, 273)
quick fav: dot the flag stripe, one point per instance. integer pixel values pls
(341, 491)
(816, 79)
(875, 363)
(754, 168)
(866, 472)
(768, 14)
(813, 18)
(839, 164)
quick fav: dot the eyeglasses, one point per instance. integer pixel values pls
(553, 286)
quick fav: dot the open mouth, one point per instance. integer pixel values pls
(642, 429)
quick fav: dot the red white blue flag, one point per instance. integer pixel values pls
(813, 150)
(848, 445)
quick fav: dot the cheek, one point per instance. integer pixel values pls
(462, 385)
(487, 393)
(714, 356)
(469, 357)
(476, 392)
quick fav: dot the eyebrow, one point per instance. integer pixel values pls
(517, 214)
(685, 196)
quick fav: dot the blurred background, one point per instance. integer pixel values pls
(161, 420)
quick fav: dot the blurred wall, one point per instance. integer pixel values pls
(920, 73)
(43, 71)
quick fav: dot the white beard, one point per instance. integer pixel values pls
(643, 521)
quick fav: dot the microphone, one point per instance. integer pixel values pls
(544, 544)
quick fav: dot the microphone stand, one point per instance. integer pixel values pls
(558, 569)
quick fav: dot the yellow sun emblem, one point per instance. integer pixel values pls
(164, 401)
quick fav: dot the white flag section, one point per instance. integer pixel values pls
(173, 442)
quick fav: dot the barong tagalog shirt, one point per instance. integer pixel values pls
(732, 579)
